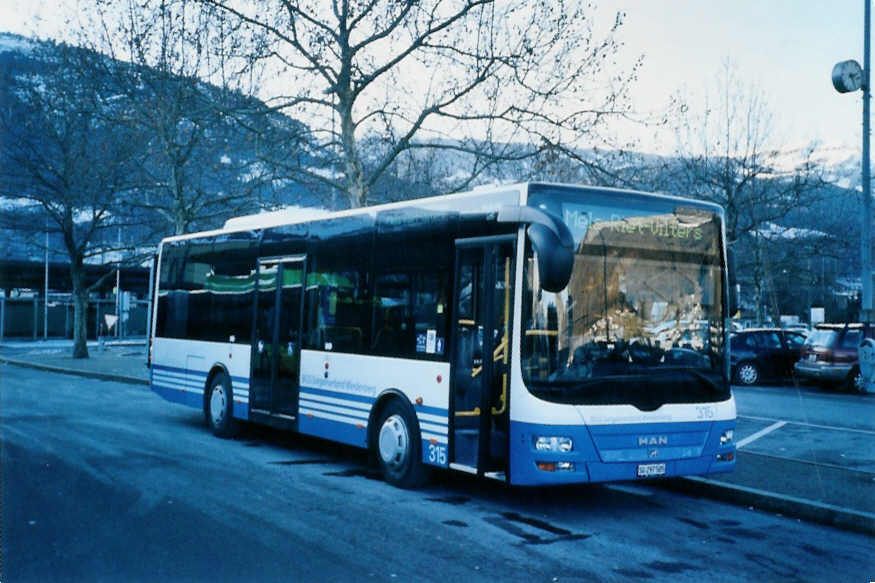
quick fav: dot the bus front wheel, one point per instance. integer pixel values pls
(218, 406)
(399, 447)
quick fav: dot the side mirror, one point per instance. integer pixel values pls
(555, 257)
(733, 284)
(551, 240)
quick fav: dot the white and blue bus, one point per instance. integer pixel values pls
(532, 333)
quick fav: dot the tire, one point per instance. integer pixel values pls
(747, 373)
(854, 383)
(218, 407)
(398, 447)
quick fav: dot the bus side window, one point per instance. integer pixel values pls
(392, 329)
(339, 310)
(232, 283)
(430, 312)
(168, 322)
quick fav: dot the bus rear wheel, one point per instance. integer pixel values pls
(399, 447)
(218, 406)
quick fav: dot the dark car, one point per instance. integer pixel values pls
(830, 355)
(764, 354)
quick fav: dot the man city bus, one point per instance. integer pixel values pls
(531, 333)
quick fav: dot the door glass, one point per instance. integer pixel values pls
(795, 341)
(285, 386)
(262, 351)
(852, 339)
(276, 354)
(468, 361)
(502, 303)
(771, 340)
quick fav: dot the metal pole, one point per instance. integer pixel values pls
(46, 294)
(866, 243)
(118, 290)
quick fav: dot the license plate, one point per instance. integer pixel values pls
(650, 470)
(812, 358)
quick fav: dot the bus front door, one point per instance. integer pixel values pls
(277, 350)
(481, 328)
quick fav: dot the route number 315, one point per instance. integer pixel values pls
(704, 412)
(437, 454)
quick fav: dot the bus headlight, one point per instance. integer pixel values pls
(553, 443)
(726, 437)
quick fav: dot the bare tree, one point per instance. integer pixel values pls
(61, 157)
(727, 154)
(183, 86)
(483, 81)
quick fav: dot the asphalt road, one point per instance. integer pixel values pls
(105, 481)
(806, 404)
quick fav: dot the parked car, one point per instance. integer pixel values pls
(830, 355)
(764, 354)
(803, 329)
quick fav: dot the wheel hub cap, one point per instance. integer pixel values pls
(217, 404)
(393, 441)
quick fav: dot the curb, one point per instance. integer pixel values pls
(810, 510)
(103, 376)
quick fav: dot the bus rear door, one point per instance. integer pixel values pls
(277, 352)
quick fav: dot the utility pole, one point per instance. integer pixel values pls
(866, 243)
(848, 76)
(118, 289)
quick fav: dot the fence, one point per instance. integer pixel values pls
(25, 318)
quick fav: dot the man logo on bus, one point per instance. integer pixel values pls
(652, 440)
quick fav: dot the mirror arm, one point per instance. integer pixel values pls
(531, 216)
(551, 239)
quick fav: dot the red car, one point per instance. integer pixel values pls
(830, 355)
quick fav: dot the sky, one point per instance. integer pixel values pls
(786, 48)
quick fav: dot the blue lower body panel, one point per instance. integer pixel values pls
(606, 453)
(187, 388)
(336, 416)
(333, 430)
(178, 396)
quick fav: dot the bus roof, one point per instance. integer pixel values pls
(298, 215)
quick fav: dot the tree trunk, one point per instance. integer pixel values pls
(80, 313)
(356, 187)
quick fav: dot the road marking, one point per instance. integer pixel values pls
(815, 425)
(759, 434)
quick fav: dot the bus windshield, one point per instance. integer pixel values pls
(641, 320)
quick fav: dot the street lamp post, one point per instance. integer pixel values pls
(848, 76)
(866, 244)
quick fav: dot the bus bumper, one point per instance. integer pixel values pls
(607, 453)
